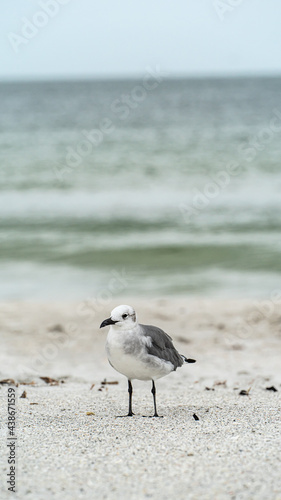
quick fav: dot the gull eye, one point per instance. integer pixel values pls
(124, 316)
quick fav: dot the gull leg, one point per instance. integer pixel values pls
(153, 391)
(130, 391)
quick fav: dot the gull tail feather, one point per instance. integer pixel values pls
(188, 360)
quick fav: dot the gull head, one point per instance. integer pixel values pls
(121, 316)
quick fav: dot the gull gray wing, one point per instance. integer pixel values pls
(161, 345)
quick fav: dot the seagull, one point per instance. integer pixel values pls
(142, 352)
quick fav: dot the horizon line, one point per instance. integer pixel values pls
(101, 78)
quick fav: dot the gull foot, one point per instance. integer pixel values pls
(152, 416)
(122, 416)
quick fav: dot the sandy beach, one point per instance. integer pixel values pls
(71, 445)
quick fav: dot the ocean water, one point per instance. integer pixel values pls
(140, 188)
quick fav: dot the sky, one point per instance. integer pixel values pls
(49, 39)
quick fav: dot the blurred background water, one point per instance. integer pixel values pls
(147, 201)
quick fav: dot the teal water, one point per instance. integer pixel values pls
(179, 190)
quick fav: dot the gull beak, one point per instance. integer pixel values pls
(107, 322)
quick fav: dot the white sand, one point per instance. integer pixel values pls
(232, 452)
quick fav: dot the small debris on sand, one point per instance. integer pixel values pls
(8, 381)
(50, 380)
(244, 393)
(272, 388)
(105, 382)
